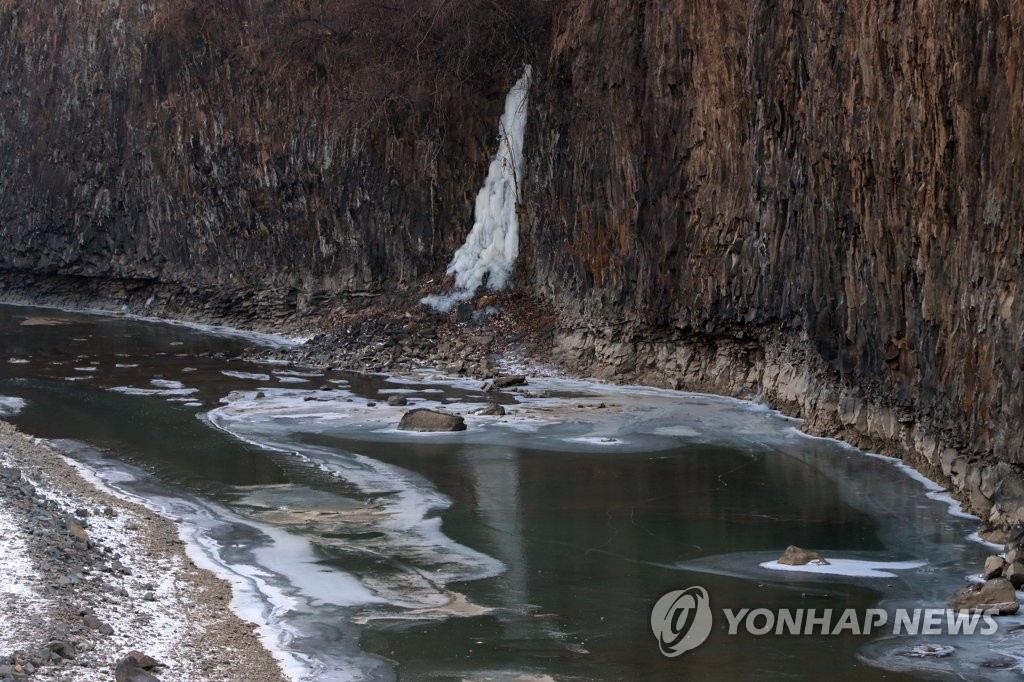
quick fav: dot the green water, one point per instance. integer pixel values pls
(587, 540)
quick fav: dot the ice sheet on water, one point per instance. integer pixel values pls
(855, 568)
(167, 384)
(395, 514)
(10, 406)
(133, 390)
(274, 574)
(253, 376)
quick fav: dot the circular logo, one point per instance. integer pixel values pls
(681, 620)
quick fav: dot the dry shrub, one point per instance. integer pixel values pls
(365, 58)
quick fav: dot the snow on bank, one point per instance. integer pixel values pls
(492, 246)
(20, 603)
(251, 595)
(137, 580)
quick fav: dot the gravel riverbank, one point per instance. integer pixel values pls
(88, 578)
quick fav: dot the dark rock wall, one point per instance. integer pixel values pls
(847, 172)
(843, 176)
(219, 142)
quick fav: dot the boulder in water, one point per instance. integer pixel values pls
(992, 595)
(797, 556)
(431, 420)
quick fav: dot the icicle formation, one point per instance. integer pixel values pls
(491, 248)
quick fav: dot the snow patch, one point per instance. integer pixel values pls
(849, 567)
(19, 601)
(167, 383)
(254, 376)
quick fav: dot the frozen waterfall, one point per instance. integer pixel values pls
(490, 250)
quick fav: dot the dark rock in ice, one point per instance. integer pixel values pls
(797, 556)
(431, 420)
(513, 380)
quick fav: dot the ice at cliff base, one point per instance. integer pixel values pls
(491, 248)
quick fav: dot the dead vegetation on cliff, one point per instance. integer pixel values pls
(365, 58)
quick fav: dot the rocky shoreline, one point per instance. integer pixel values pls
(98, 587)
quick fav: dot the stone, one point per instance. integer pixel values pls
(797, 556)
(62, 648)
(76, 531)
(10, 473)
(105, 629)
(145, 661)
(511, 380)
(431, 420)
(492, 410)
(464, 312)
(993, 567)
(398, 401)
(129, 670)
(1015, 574)
(1014, 554)
(997, 595)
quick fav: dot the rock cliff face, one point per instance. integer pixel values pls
(815, 201)
(243, 145)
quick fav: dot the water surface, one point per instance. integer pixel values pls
(529, 546)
